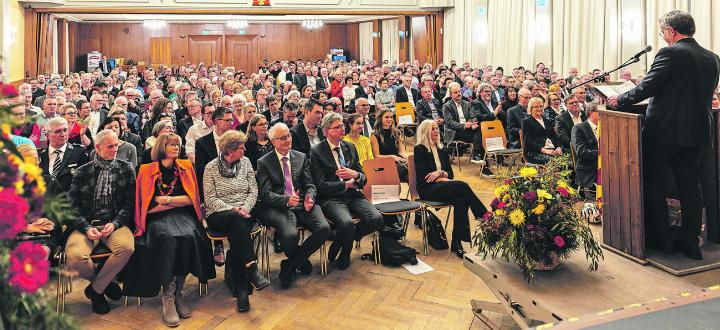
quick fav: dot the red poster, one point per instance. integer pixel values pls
(261, 3)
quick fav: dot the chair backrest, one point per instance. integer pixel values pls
(380, 171)
(411, 178)
(492, 129)
(404, 109)
(522, 147)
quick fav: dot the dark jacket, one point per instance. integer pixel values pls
(534, 135)
(74, 157)
(300, 138)
(205, 151)
(515, 117)
(481, 111)
(680, 84)
(423, 111)
(452, 119)
(323, 168)
(563, 128)
(425, 163)
(401, 94)
(271, 181)
(585, 146)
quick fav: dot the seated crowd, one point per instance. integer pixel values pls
(154, 159)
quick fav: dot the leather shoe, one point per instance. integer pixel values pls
(243, 301)
(99, 304)
(691, 251)
(458, 249)
(333, 251)
(219, 255)
(113, 291)
(286, 272)
(306, 268)
(257, 280)
(276, 245)
(343, 262)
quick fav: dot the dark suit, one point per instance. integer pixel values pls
(677, 125)
(534, 137)
(73, 158)
(268, 115)
(423, 111)
(360, 92)
(340, 204)
(455, 131)
(497, 97)
(515, 117)
(205, 151)
(563, 128)
(320, 83)
(301, 140)
(585, 145)
(401, 95)
(183, 127)
(274, 210)
(457, 193)
(300, 80)
(480, 110)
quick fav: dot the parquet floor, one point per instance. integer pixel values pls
(363, 296)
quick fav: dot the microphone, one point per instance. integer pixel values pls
(646, 50)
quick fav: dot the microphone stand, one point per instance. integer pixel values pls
(632, 60)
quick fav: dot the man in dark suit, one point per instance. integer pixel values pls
(677, 128)
(287, 199)
(460, 124)
(340, 178)
(300, 80)
(405, 93)
(362, 107)
(323, 82)
(61, 158)
(585, 145)
(566, 120)
(307, 133)
(206, 147)
(429, 108)
(515, 117)
(290, 76)
(289, 115)
(194, 117)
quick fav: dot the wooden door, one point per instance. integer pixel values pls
(242, 52)
(160, 51)
(204, 49)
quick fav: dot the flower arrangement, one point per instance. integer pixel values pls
(24, 267)
(533, 221)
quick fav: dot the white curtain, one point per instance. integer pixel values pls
(511, 33)
(365, 39)
(390, 41)
(465, 33)
(707, 24)
(653, 10)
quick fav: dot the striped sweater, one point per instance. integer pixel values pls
(224, 194)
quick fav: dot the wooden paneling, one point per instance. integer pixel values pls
(422, 38)
(160, 51)
(31, 43)
(241, 51)
(620, 151)
(212, 41)
(377, 42)
(62, 35)
(439, 21)
(73, 38)
(404, 42)
(353, 41)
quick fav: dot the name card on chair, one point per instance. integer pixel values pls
(405, 120)
(385, 193)
(494, 143)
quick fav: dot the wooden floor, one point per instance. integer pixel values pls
(363, 296)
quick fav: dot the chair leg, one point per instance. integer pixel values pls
(423, 219)
(266, 252)
(376, 247)
(58, 290)
(447, 220)
(457, 156)
(126, 301)
(138, 300)
(323, 259)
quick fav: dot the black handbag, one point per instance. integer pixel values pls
(435, 231)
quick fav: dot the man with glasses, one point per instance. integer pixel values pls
(50, 91)
(289, 117)
(206, 148)
(199, 130)
(287, 198)
(567, 119)
(339, 177)
(132, 118)
(362, 107)
(515, 117)
(60, 158)
(49, 111)
(194, 117)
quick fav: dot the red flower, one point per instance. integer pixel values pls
(8, 90)
(564, 192)
(501, 205)
(12, 213)
(508, 181)
(559, 241)
(29, 267)
(487, 216)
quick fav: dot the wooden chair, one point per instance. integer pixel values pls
(257, 233)
(402, 110)
(99, 255)
(437, 205)
(456, 145)
(493, 130)
(383, 171)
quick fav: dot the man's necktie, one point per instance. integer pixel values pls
(56, 162)
(288, 177)
(341, 159)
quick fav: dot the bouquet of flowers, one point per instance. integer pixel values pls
(24, 267)
(533, 221)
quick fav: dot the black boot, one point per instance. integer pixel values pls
(456, 246)
(257, 280)
(99, 304)
(243, 301)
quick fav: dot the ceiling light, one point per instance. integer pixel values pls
(312, 23)
(154, 24)
(237, 24)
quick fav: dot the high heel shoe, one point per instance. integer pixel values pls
(458, 249)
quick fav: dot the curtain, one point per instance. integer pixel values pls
(653, 10)
(46, 32)
(465, 32)
(390, 41)
(707, 28)
(511, 33)
(366, 41)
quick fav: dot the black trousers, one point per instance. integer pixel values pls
(340, 212)
(461, 196)
(238, 231)
(685, 165)
(471, 136)
(285, 223)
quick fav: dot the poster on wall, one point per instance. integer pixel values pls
(261, 3)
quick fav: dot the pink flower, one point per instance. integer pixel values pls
(8, 90)
(559, 241)
(29, 267)
(564, 192)
(530, 196)
(12, 213)
(508, 181)
(487, 216)
(501, 205)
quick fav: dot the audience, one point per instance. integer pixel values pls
(565, 121)
(258, 143)
(61, 158)
(356, 124)
(385, 142)
(540, 143)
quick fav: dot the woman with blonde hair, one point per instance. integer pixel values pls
(77, 132)
(540, 142)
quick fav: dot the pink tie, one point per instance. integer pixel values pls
(288, 177)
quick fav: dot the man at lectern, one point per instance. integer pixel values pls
(677, 127)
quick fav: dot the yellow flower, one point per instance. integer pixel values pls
(543, 194)
(528, 172)
(517, 218)
(500, 190)
(506, 198)
(19, 186)
(31, 170)
(5, 128)
(540, 209)
(571, 191)
(500, 212)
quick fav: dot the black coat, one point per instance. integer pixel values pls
(300, 80)
(534, 135)
(401, 94)
(481, 111)
(205, 151)
(680, 84)
(74, 157)
(323, 168)
(423, 111)
(515, 116)
(425, 163)
(271, 181)
(585, 146)
(300, 138)
(563, 128)
(183, 127)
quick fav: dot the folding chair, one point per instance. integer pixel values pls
(437, 205)
(491, 132)
(383, 172)
(257, 233)
(404, 112)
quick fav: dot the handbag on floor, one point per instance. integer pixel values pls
(392, 253)
(435, 231)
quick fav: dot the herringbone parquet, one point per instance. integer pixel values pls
(365, 296)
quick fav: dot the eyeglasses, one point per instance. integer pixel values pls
(71, 113)
(341, 126)
(284, 138)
